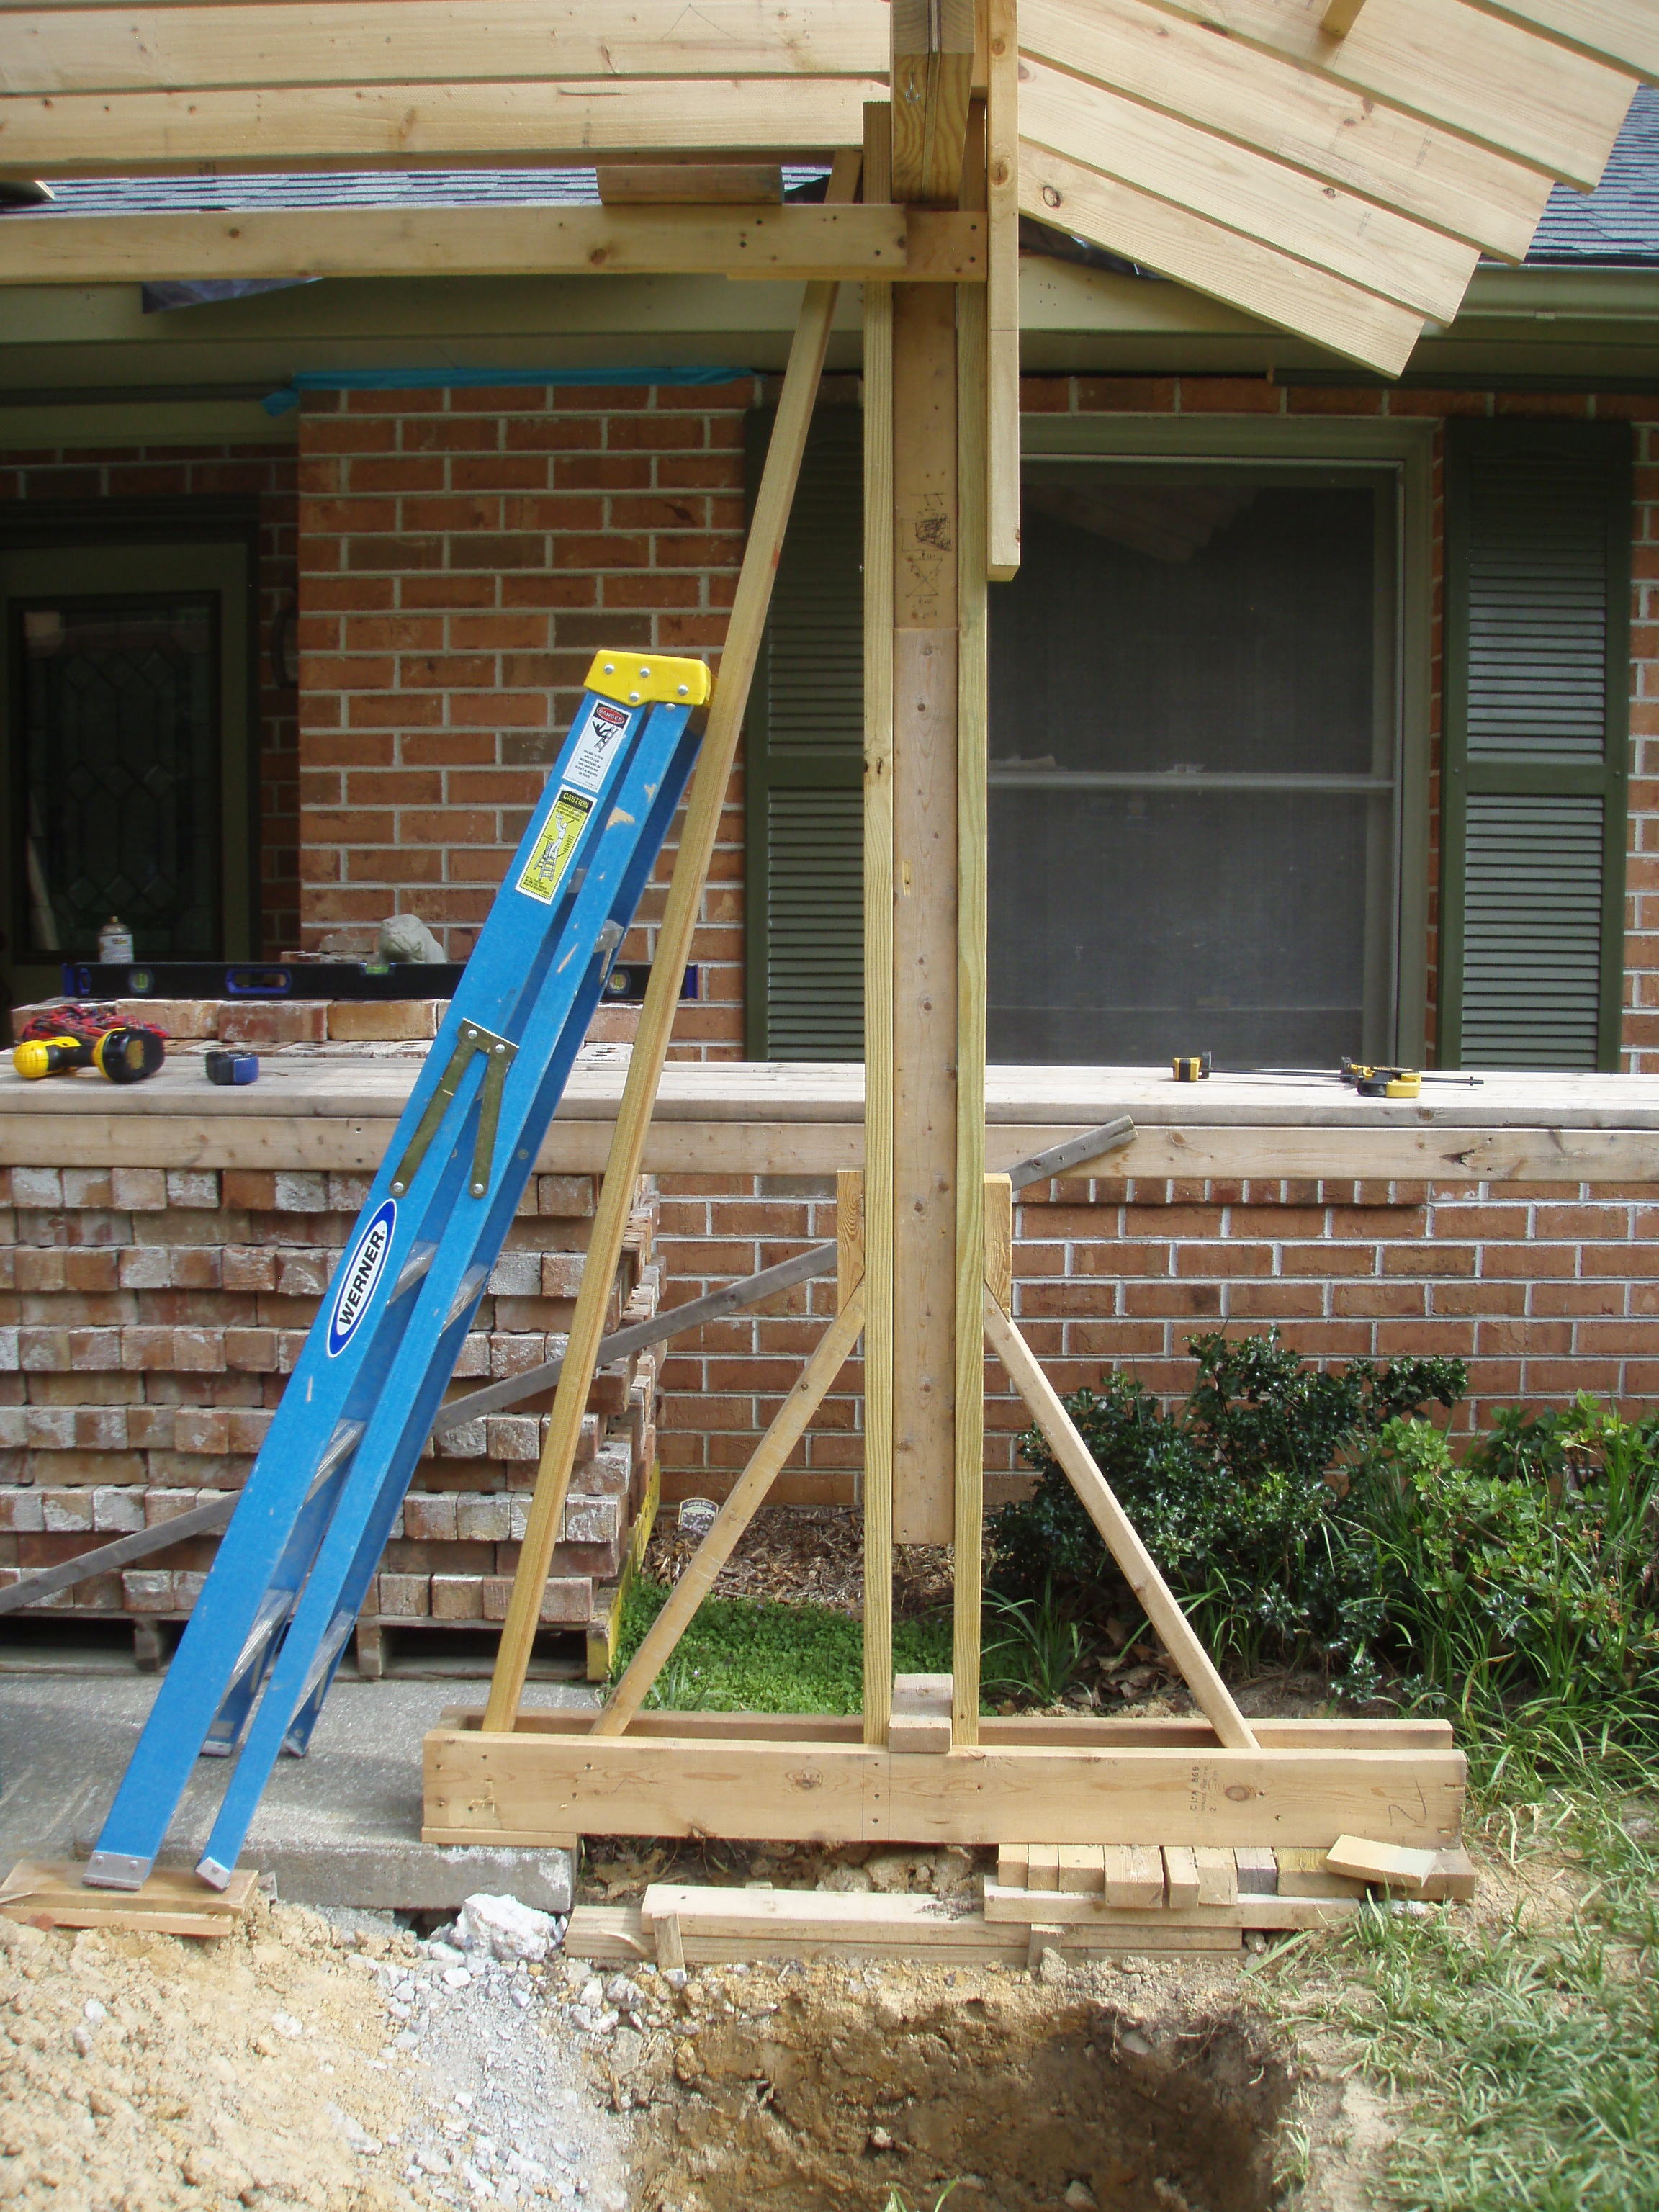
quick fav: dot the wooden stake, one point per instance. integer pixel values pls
(702, 818)
(877, 963)
(733, 1517)
(972, 832)
(1150, 1589)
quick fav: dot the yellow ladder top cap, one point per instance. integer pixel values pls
(631, 678)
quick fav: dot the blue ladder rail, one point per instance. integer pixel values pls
(268, 1631)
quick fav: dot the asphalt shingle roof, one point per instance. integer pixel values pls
(1617, 225)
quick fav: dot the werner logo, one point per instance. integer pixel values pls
(359, 1276)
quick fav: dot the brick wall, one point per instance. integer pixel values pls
(463, 555)
(149, 1320)
(215, 472)
(1544, 1289)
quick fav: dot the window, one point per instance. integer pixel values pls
(129, 784)
(1194, 767)
(1208, 741)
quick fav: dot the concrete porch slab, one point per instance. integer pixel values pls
(340, 1826)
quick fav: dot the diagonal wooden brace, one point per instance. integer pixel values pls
(1154, 1594)
(734, 1516)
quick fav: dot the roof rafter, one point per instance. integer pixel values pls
(1308, 121)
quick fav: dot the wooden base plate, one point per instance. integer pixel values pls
(51, 1894)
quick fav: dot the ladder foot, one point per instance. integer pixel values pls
(214, 1876)
(116, 1870)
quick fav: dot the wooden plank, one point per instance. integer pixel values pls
(1002, 296)
(1000, 1237)
(1304, 1873)
(842, 244)
(921, 1714)
(1625, 32)
(932, 76)
(810, 1929)
(1082, 1869)
(849, 1234)
(1042, 1866)
(303, 127)
(1258, 1870)
(57, 50)
(746, 1496)
(925, 637)
(1217, 1876)
(1339, 17)
(51, 1894)
(698, 836)
(1432, 1874)
(973, 839)
(1020, 1731)
(876, 1489)
(1151, 1591)
(1451, 64)
(522, 1788)
(1181, 1882)
(1307, 121)
(1012, 1860)
(1210, 176)
(702, 183)
(1133, 1876)
(1225, 263)
(670, 1943)
(1091, 1915)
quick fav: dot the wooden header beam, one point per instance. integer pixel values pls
(932, 81)
(838, 244)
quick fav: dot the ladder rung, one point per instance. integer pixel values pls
(344, 1438)
(471, 1283)
(413, 1269)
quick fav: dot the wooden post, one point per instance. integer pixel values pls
(924, 617)
(1002, 302)
(702, 815)
(972, 706)
(877, 961)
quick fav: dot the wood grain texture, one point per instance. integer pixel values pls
(878, 1485)
(849, 1234)
(1002, 294)
(1305, 120)
(523, 1787)
(197, 47)
(1245, 191)
(744, 1499)
(86, 134)
(1000, 1237)
(1625, 32)
(1225, 263)
(925, 652)
(831, 243)
(972, 810)
(932, 76)
(1449, 64)
(698, 836)
(1151, 1591)
(51, 1892)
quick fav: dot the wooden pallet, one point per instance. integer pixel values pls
(51, 1894)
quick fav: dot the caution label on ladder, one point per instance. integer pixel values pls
(607, 725)
(550, 855)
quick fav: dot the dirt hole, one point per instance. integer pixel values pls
(1022, 2097)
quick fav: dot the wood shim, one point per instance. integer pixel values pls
(50, 1893)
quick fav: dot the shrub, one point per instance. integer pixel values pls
(1522, 1585)
(1233, 1495)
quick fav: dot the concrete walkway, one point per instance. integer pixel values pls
(340, 1826)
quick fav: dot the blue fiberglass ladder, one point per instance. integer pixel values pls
(294, 1565)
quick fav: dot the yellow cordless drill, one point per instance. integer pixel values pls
(125, 1055)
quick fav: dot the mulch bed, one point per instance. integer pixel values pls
(806, 1555)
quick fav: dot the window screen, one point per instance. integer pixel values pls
(1193, 768)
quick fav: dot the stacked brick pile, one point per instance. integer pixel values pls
(149, 1318)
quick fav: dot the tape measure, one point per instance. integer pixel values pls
(1194, 1069)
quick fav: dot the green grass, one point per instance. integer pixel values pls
(755, 1655)
(1526, 2054)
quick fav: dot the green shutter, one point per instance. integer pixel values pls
(804, 763)
(1537, 720)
